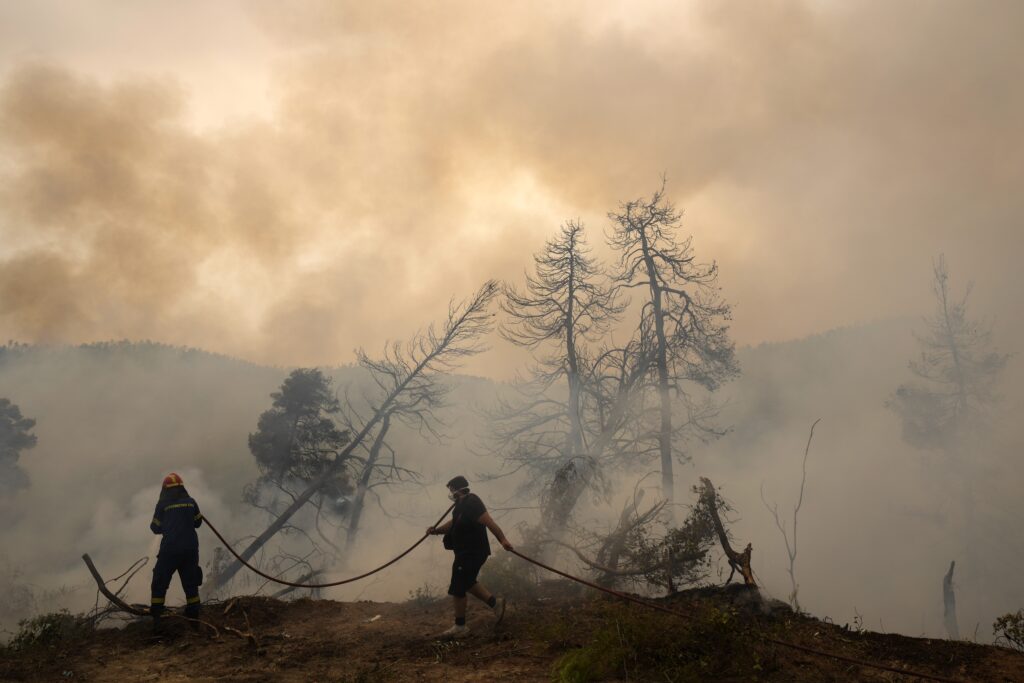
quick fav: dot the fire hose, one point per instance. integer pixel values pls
(589, 584)
(321, 585)
(769, 639)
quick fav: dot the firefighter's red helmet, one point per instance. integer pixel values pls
(172, 480)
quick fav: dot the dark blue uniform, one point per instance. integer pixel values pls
(176, 518)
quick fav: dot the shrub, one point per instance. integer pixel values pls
(48, 630)
(1009, 630)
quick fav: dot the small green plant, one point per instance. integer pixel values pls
(47, 630)
(424, 596)
(1009, 630)
(579, 666)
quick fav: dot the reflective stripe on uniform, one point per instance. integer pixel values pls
(156, 521)
(156, 601)
(198, 516)
(179, 505)
(193, 601)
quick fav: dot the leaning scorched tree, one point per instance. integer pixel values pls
(416, 407)
(409, 377)
(295, 440)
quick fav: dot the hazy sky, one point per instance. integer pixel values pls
(286, 181)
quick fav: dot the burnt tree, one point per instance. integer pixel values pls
(567, 303)
(415, 407)
(738, 562)
(682, 316)
(295, 440)
(949, 604)
(946, 407)
(427, 355)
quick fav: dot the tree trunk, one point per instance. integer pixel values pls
(614, 423)
(949, 604)
(665, 430)
(618, 543)
(575, 437)
(464, 324)
(737, 561)
(314, 486)
(363, 485)
(308, 576)
(563, 494)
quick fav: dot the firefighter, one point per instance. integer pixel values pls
(176, 519)
(466, 535)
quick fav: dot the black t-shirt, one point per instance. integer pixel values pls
(467, 534)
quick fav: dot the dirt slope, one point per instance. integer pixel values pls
(555, 639)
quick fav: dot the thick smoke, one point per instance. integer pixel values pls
(823, 155)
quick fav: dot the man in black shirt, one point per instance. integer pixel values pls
(466, 535)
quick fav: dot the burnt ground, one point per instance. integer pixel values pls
(561, 639)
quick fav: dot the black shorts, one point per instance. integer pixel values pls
(464, 570)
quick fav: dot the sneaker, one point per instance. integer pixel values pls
(499, 610)
(456, 631)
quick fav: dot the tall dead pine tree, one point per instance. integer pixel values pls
(955, 375)
(567, 302)
(946, 406)
(683, 315)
